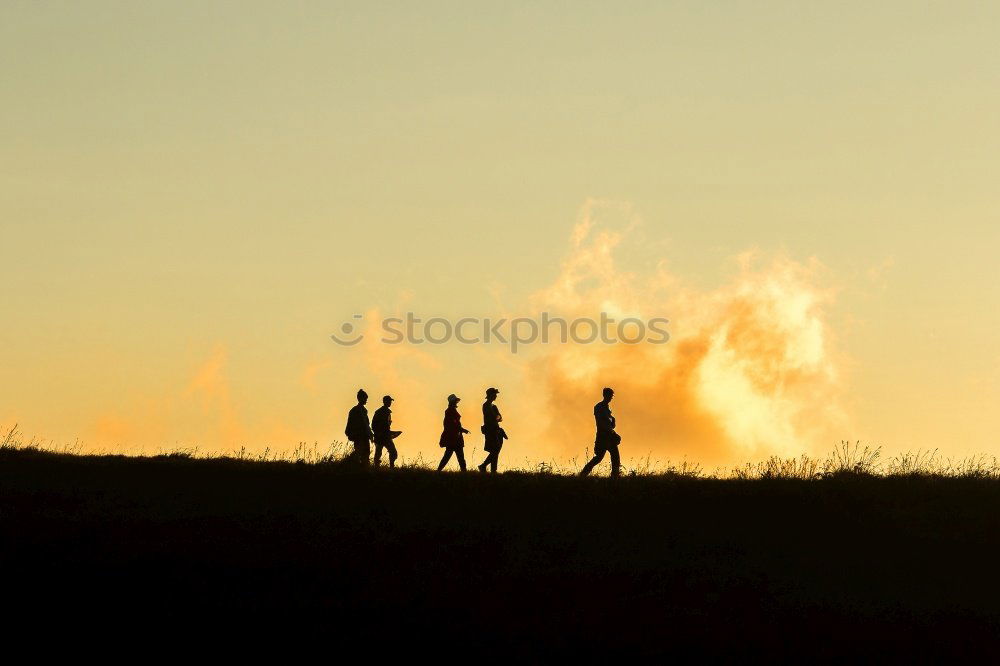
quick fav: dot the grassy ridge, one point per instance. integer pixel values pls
(531, 565)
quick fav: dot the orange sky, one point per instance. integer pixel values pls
(193, 198)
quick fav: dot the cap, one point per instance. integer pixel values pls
(387, 397)
(453, 398)
(492, 390)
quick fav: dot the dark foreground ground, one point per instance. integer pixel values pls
(531, 567)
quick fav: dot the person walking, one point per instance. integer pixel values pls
(607, 440)
(493, 434)
(452, 437)
(383, 432)
(359, 430)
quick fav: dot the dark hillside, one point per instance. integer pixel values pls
(535, 566)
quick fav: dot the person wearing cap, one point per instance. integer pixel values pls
(452, 439)
(493, 434)
(383, 432)
(358, 430)
(607, 440)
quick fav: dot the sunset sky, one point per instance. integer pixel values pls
(195, 195)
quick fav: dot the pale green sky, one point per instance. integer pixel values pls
(180, 176)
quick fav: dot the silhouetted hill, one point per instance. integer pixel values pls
(539, 567)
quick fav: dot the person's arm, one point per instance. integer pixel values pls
(349, 429)
(605, 422)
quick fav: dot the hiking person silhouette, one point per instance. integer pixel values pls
(607, 440)
(493, 434)
(358, 430)
(452, 439)
(383, 433)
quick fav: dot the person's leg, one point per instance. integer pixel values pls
(486, 462)
(486, 446)
(391, 448)
(494, 459)
(598, 457)
(460, 454)
(445, 459)
(378, 454)
(366, 452)
(616, 461)
(356, 453)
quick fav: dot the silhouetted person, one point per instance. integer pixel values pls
(493, 434)
(358, 430)
(382, 429)
(607, 440)
(452, 439)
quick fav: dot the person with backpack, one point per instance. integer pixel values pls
(493, 434)
(359, 430)
(383, 433)
(606, 440)
(452, 437)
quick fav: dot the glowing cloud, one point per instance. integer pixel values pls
(750, 368)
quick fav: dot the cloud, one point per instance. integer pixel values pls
(751, 368)
(312, 370)
(878, 274)
(199, 414)
(211, 386)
